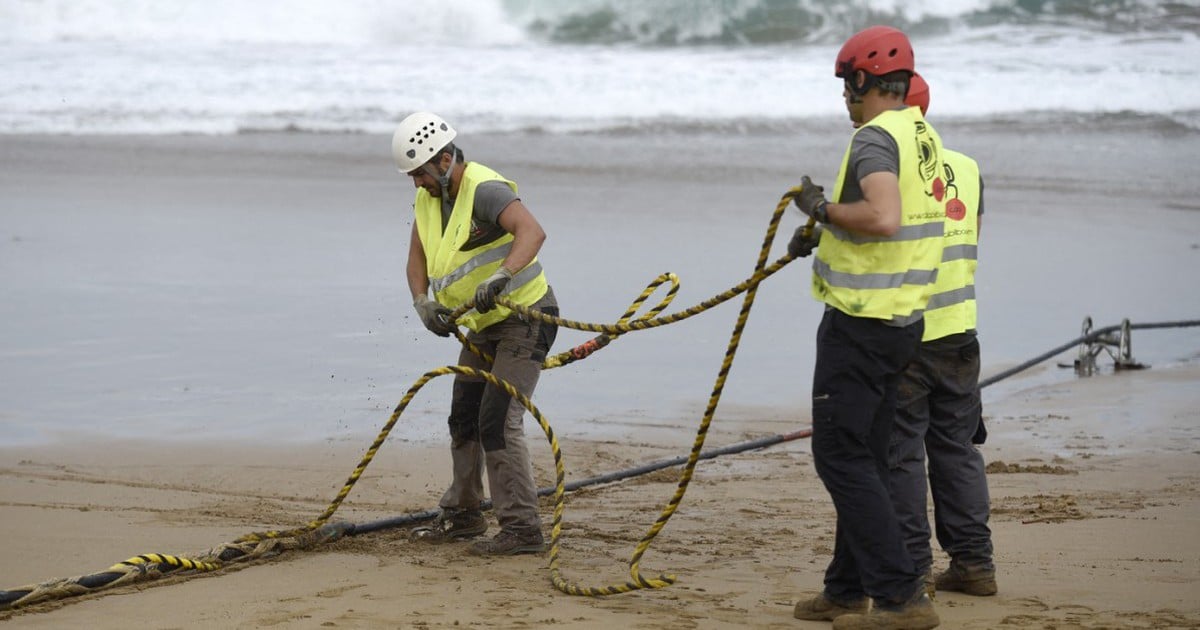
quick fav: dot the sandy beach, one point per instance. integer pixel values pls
(1092, 530)
(201, 336)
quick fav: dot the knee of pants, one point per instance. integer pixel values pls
(464, 411)
(493, 416)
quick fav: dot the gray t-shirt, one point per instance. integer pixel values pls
(874, 150)
(981, 196)
(490, 199)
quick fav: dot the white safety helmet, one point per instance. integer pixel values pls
(418, 138)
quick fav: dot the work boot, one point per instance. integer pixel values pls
(977, 581)
(930, 583)
(915, 614)
(822, 608)
(508, 543)
(452, 525)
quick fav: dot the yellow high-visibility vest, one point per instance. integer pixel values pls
(951, 309)
(889, 278)
(455, 273)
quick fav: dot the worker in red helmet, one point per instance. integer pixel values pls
(874, 270)
(939, 415)
(918, 93)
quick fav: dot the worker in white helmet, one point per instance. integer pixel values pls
(473, 240)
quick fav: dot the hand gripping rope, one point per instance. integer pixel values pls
(320, 531)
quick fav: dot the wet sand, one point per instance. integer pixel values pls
(202, 335)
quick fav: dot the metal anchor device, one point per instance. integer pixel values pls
(1105, 341)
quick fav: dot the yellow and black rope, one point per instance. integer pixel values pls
(626, 323)
(750, 287)
(153, 566)
(317, 531)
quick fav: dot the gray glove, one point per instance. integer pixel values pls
(435, 316)
(799, 246)
(486, 292)
(811, 200)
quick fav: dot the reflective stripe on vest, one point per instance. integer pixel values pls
(951, 310)
(889, 278)
(528, 274)
(454, 273)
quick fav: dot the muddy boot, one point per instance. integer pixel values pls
(930, 583)
(977, 581)
(452, 525)
(915, 614)
(822, 608)
(508, 543)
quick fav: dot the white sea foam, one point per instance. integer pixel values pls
(136, 66)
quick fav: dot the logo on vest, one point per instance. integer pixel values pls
(956, 210)
(931, 162)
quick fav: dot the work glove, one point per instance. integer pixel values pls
(486, 292)
(800, 245)
(435, 316)
(811, 200)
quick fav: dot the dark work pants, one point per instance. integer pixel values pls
(487, 424)
(938, 415)
(859, 362)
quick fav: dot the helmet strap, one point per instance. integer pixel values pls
(444, 179)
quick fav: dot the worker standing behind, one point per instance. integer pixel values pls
(473, 240)
(875, 268)
(939, 415)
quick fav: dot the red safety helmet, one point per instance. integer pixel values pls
(877, 51)
(918, 93)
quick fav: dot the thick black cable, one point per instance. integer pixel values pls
(1092, 336)
(426, 515)
(763, 442)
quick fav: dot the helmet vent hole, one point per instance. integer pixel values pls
(892, 52)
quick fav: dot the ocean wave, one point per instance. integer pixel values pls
(755, 22)
(580, 22)
(73, 85)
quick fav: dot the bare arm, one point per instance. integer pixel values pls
(878, 213)
(418, 281)
(528, 235)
